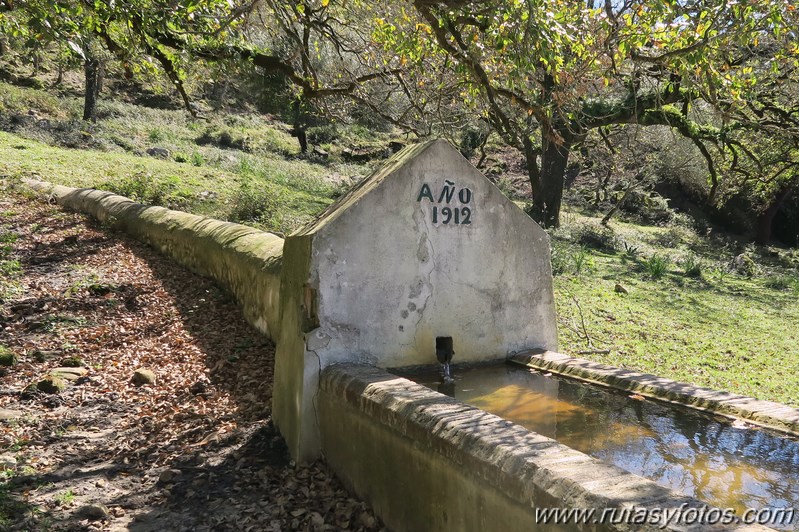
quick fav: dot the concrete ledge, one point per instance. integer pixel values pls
(245, 261)
(762, 413)
(428, 462)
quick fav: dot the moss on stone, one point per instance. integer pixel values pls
(51, 384)
(7, 356)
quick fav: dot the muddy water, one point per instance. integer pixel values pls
(695, 454)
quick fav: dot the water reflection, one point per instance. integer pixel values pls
(686, 451)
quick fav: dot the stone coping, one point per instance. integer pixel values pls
(766, 414)
(531, 469)
(244, 260)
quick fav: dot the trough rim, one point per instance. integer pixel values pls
(766, 414)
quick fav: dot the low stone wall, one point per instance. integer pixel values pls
(245, 261)
(763, 413)
(428, 462)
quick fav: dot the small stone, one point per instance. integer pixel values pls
(101, 483)
(69, 374)
(72, 362)
(7, 357)
(169, 475)
(8, 415)
(367, 520)
(620, 289)
(143, 376)
(41, 355)
(199, 388)
(163, 153)
(94, 512)
(51, 384)
(744, 265)
(317, 522)
(7, 462)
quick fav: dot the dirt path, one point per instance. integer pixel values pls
(196, 450)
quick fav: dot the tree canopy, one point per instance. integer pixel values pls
(545, 73)
(542, 74)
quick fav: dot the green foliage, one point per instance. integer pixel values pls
(582, 260)
(657, 265)
(65, 498)
(7, 356)
(783, 283)
(156, 135)
(565, 69)
(197, 158)
(648, 208)
(745, 265)
(569, 260)
(257, 204)
(16, 99)
(673, 237)
(631, 251)
(471, 139)
(692, 266)
(597, 237)
(10, 267)
(142, 187)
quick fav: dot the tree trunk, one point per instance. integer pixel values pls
(299, 125)
(92, 71)
(765, 221)
(548, 191)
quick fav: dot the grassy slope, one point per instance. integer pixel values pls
(720, 330)
(183, 184)
(259, 159)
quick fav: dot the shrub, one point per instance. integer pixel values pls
(142, 188)
(471, 139)
(560, 260)
(197, 158)
(744, 265)
(597, 237)
(222, 139)
(649, 208)
(258, 205)
(673, 237)
(692, 266)
(783, 282)
(155, 135)
(630, 251)
(657, 265)
(576, 261)
(582, 260)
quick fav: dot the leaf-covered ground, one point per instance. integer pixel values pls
(194, 451)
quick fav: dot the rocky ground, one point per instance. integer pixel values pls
(133, 396)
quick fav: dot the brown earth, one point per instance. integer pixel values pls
(195, 451)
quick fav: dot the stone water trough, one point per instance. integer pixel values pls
(424, 255)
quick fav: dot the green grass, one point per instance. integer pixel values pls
(176, 185)
(19, 99)
(210, 161)
(720, 329)
(65, 498)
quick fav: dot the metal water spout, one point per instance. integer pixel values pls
(444, 352)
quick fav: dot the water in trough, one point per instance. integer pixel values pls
(685, 450)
